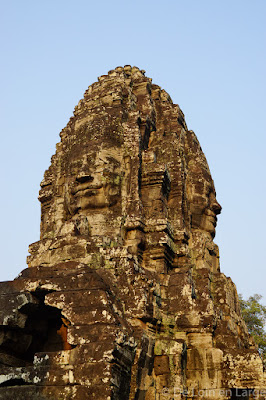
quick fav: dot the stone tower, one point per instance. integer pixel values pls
(123, 298)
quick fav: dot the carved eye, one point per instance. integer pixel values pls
(84, 178)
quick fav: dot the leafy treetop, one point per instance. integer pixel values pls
(254, 314)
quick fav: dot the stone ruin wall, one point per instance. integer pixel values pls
(123, 298)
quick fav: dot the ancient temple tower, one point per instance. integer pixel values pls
(123, 298)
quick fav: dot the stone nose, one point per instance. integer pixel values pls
(216, 207)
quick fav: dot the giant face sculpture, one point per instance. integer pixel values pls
(95, 181)
(200, 190)
(203, 204)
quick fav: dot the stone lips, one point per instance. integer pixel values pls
(124, 298)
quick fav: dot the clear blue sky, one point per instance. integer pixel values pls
(210, 57)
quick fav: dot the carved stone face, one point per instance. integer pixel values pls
(96, 182)
(204, 206)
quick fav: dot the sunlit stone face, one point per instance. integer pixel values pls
(203, 204)
(96, 181)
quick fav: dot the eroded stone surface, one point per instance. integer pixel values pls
(123, 297)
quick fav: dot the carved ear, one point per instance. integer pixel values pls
(82, 226)
(132, 206)
(68, 201)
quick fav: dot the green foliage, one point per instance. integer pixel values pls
(254, 314)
